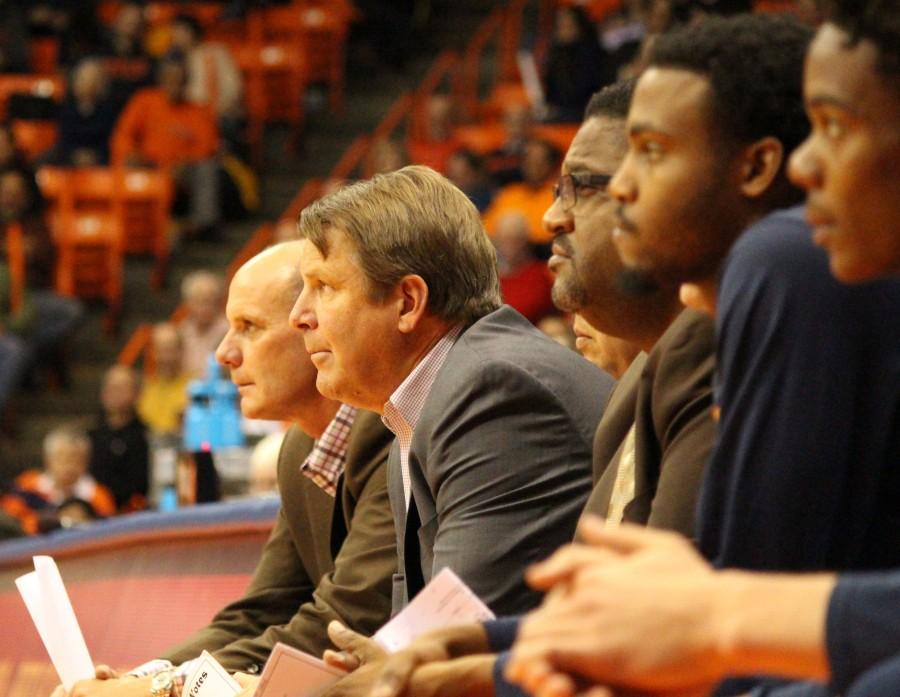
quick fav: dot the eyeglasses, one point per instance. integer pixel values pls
(567, 186)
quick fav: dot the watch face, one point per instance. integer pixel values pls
(161, 685)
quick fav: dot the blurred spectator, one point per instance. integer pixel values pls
(163, 396)
(160, 128)
(13, 38)
(18, 204)
(621, 36)
(532, 196)
(12, 158)
(264, 465)
(385, 155)
(525, 281)
(505, 163)
(559, 329)
(467, 171)
(75, 512)
(202, 293)
(86, 119)
(37, 494)
(46, 319)
(213, 77)
(575, 66)
(438, 143)
(122, 48)
(119, 453)
(607, 352)
(15, 357)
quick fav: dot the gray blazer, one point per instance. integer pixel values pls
(500, 462)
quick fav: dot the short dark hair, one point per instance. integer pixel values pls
(754, 64)
(613, 100)
(877, 21)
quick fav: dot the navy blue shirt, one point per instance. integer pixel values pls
(805, 474)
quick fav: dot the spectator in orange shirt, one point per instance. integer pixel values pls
(37, 496)
(530, 197)
(439, 142)
(161, 128)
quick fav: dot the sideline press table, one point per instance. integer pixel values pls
(138, 584)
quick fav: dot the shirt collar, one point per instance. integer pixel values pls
(325, 463)
(409, 398)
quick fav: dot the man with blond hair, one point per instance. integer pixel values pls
(401, 314)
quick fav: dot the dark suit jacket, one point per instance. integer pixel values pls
(327, 558)
(668, 396)
(500, 462)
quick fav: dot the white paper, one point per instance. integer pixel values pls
(51, 611)
(444, 602)
(209, 679)
(292, 673)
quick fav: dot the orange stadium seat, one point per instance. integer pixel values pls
(15, 255)
(52, 181)
(146, 206)
(89, 236)
(275, 81)
(319, 29)
(34, 138)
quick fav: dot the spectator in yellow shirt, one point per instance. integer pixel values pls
(164, 394)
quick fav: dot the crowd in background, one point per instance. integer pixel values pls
(166, 97)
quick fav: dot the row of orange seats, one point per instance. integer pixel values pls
(99, 214)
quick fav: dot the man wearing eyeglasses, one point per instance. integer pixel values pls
(657, 431)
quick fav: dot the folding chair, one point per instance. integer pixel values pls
(34, 138)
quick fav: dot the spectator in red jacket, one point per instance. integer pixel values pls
(524, 280)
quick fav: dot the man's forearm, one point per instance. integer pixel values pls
(773, 623)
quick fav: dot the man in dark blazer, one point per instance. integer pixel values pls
(330, 556)
(494, 421)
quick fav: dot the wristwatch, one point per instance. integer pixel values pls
(162, 683)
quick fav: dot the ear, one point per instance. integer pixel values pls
(762, 162)
(413, 293)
